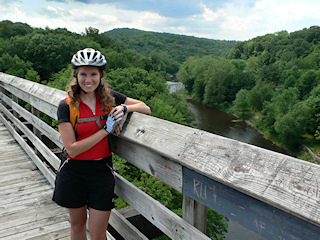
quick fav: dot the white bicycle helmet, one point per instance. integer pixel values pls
(88, 57)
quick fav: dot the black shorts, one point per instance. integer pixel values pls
(81, 182)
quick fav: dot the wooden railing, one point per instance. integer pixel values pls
(275, 195)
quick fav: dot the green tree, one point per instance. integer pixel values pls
(164, 111)
(17, 67)
(217, 225)
(61, 79)
(313, 102)
(32, 75)
(260, 93)
(116, 60)
(317, 134)
(218, 77)
(6, 29)
(241, 104)
(307, 82)
(102, 39)
(292, 125)
(278, 106)
(136, 83)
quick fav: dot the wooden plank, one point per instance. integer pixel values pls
(44, 98)
(25, 204)
(124, 227)
(168, 222)
(40, 146)
(22, 184)
(27, 194)
(61, 234)
(17, 178)
(25, 188)
(253, 214)
(18, 166)
(19, 157)
(45, 229)
(31, 225)
(37, 210)
(45, 171)
(153, 163)
(194, 213)
(43, 127)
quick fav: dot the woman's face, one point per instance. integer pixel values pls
(88, 78)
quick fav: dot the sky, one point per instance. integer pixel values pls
(239, 20)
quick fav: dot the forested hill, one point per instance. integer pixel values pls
(273, 79)
(168, 47)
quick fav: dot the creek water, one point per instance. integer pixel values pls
(227, 125)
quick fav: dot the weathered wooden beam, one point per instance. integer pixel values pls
(40, 146)
(149, 161)
(36, 113)
(194, 213)
(168, 222)
(124, 227)
(45, 98)
(262, 218)
(45, 171)
(139, 221)
(47, 130)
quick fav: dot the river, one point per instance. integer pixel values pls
(227, 125)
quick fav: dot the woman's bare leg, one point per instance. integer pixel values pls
(98, 223)
(78, 220)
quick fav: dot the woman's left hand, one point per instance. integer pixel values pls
(118, 114)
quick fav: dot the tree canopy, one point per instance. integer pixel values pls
(167, 51)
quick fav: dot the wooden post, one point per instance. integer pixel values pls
(2, 90)
(36, 112)
(194, 213)
(15, 99)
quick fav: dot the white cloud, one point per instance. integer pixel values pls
(229, 20)
(53, 12)
(240, 21)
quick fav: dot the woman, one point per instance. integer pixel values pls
(85, 179)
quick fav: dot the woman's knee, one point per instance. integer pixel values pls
(78, 217)
(98, 222)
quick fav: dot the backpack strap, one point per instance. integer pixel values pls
(74, 113)
(97, 119)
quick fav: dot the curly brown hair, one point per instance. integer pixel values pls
(73, 90)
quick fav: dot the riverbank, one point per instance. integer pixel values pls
(228, 125)
(208, 121)
(302, 152)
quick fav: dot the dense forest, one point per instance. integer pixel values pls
(168, 50)
(43, 56)
(272, 80)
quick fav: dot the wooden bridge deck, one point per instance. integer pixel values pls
(26, 208)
